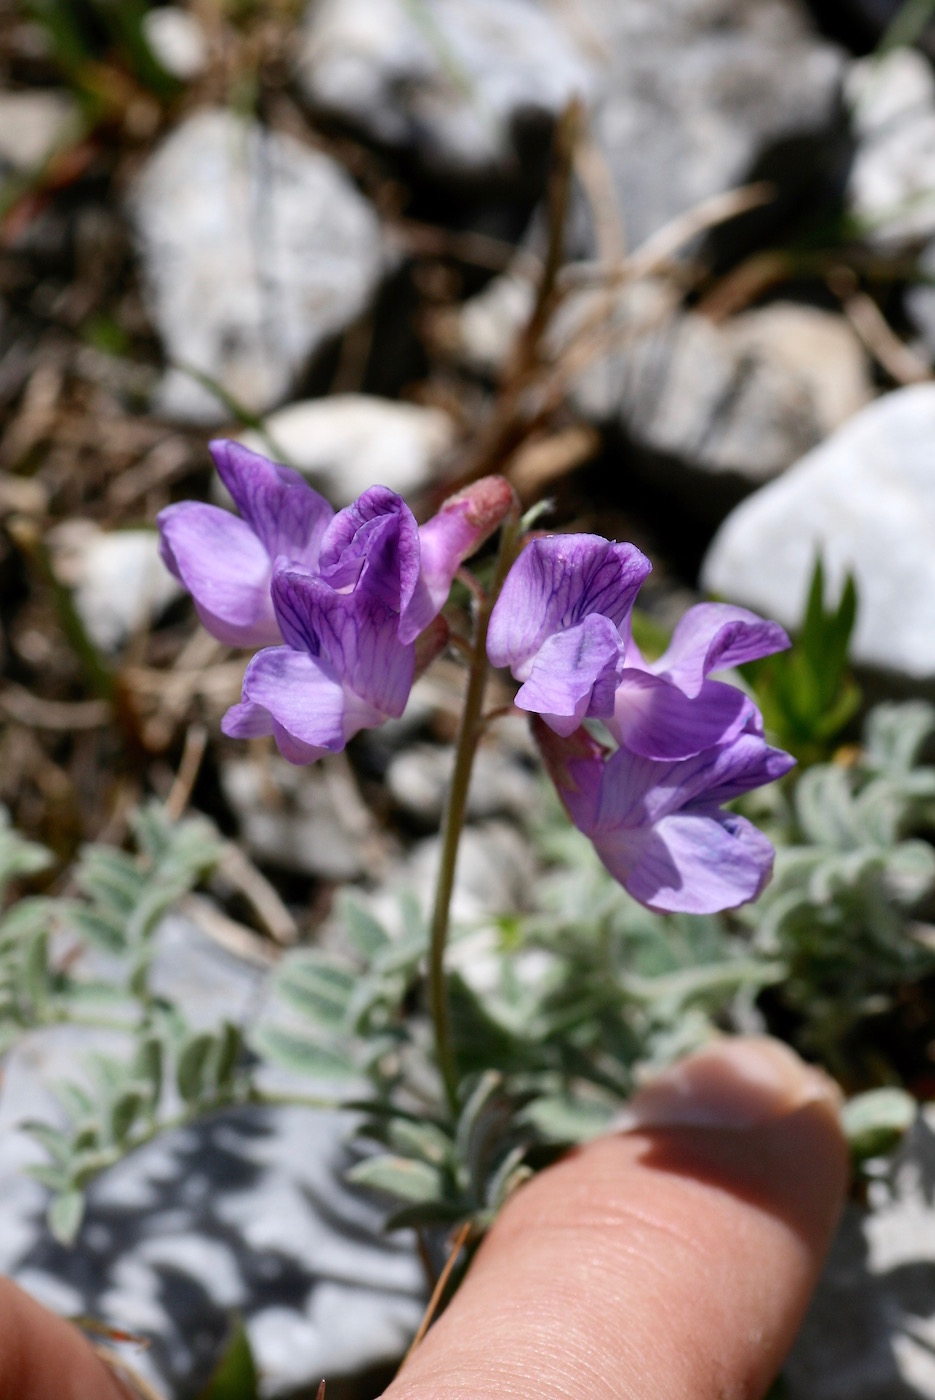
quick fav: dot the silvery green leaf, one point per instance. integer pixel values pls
(365, 932)
(302, 1054)
(315, 986)
(106, 931)
(124, 1111)
(910, 871)
(18, 857)
(65, 1215)
(895, 734)
(876, 1121)
(561, 1118)
(402, 1177)
(824, 808)
(193, 1065)
(110, 878)
(421, 1140)
(228, 1044)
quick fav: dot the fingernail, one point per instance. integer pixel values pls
(736, 1083)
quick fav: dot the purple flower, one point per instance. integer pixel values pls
(659, 828)
(343, 668)
(226, 561)
(561, 623)
(669, 709)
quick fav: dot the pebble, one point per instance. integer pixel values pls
(347, 442)
(118, 580)
(177, 41)
(255, 251)
(465, 86)
(34, 124)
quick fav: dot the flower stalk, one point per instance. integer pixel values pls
(469, 731)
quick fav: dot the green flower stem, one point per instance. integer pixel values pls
(469, 732)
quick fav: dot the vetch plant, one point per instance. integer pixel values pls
(355, 599)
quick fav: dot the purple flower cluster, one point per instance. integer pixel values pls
(685, 744)
(346, 608)
(352, 599)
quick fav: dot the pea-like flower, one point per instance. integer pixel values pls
(669, 708)
(659, 827)
(343, 667)
(226, 561)
(561, 624)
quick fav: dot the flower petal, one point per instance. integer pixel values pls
(287, 516)
(224, 567)
(574, 674)
(693, 863)
(376, 540)
(355, 635)
(656, 719)
(304, 701)
(713, 636)
(576, 766)
(555, 583)
(639, 791)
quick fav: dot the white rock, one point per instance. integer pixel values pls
(891, 187)
(866, 500)
(740, 399)
(255, 250)
(120, 584)
(348, 442)
(698, 95)
(177, 40)
(34, 124)
(418, 780)
(299, 819)
(451, 86)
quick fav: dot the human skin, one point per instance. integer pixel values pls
(672, 1259)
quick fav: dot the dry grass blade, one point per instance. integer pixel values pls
(262, 896)
(57, 715)
(896, 358)
(130, 1379)
(196, 742)
(457, 1244)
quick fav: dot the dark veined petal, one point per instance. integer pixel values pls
(285, 513)
(713, 636)
(574, 674)
(355, 636)
(225, 568)
(694, 863)
(304, 703)
(655, 719)
(375, 542)
(639, 791)
(554, 584)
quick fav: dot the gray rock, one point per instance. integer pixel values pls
(118, 580)
(501, 784)
(870, 1331)
(255, 250)
(741, 399)
(891, 187)
(446, 80)
(700, 95)
(348, 442)
(246, 1213)
(866, 500)
(33, 125)
(177, 40)
(309, 821)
